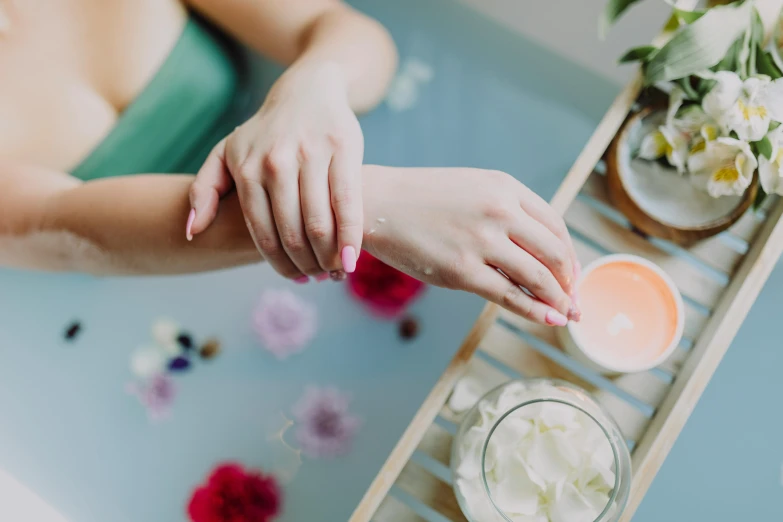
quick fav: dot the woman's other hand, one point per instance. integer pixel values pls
(474, 230)
(297, 167)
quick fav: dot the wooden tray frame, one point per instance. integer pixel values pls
(651, 407)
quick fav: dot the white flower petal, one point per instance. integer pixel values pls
(544, 458)
(723, 95)
(465, 395)
(147, 361)
(770, 176)
(516, 492)
(772, 99)
(676, 97)
(572, 506)
(653, 146)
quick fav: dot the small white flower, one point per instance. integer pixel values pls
(771, 170)
(744, 107)
(666, 141)
(164, 333)
(726, 164)
(148, 361)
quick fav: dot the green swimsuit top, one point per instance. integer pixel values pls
(192, 102)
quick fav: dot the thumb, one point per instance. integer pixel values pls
(212, 182)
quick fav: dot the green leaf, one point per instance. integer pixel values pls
(765, 64)
(688, 17)
(764, 147)
(757, 29)
(773, 125)
(638, 54)
(614, 9)
(701, 45)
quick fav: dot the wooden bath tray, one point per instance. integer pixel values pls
(719, 279)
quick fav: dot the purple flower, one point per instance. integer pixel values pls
(284, 322)
(156, 394)
(324, 427)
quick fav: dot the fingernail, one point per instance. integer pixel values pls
(574, 314)
(349, 259)
(337, 275)
(301, 280)
(189, 226)
(322, 277)
(555, 318)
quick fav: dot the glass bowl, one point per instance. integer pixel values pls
(540, 450)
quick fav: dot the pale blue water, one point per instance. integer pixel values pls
(69, 431)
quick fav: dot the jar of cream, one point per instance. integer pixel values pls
(632, 316)
(540, 450)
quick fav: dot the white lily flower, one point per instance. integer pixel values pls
(771, 170)
(666, 141)
(727, 164)
(744, 107)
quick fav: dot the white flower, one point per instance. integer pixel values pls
(727, 164)
(164, 333)
(666, 141)
(148, 361)
(744, 107)
(771, 170)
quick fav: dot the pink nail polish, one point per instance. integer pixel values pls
(349, 259)
(337, 275)
(301, 280)
(555, 318)
(322, 277)
(189, 225)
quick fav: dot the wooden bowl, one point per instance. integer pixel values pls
(659, 201)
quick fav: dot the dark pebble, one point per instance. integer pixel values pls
(179, 364)
(409, 328)
(210, 349)
(185, 341)
(73, 331)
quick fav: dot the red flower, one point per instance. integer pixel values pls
(384, 290)
(232, 494)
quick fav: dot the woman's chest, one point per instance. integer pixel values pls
(69, 67)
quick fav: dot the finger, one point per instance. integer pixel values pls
(345, 185)
(545, 246)
(260, 222)
(281, 181)
(212, 182)
(319, 223)
(542, 212)
(527, 271)
(493, 286)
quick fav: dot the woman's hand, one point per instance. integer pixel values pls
(296, 166)
(460, 228)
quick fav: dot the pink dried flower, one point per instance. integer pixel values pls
(325, 428)
(156, 394)
(284, 322)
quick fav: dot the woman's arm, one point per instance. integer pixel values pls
(117, 226)
(302, 32)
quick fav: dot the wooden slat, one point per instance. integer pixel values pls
(747, 227)
(394, 510)
(713, 251)
(417, 481)
(644, 386)
(512, 351)
(694, 319)
(437, 444)
(693, 283)
(707, 353)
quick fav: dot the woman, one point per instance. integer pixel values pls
(95, 95)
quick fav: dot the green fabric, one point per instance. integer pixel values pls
(192, 102)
